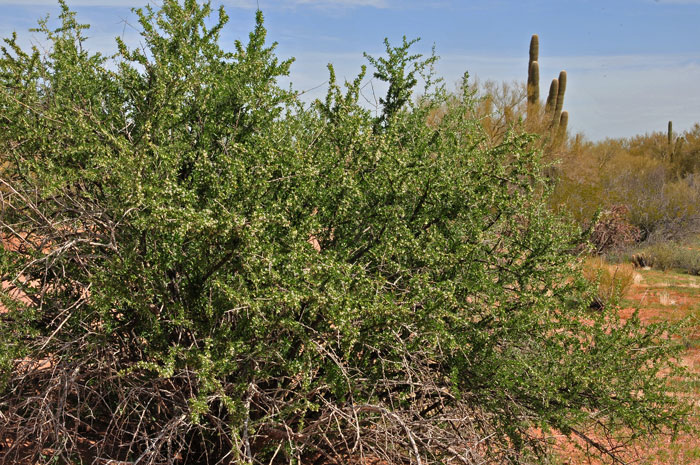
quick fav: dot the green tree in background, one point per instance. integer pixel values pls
(198, 268)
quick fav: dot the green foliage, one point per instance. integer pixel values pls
(401, 71)
(213, 271)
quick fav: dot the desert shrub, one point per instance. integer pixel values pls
(217, 273)
(611, 280)
(687, 158)
(668, 255)
(665, 209)
(661, 255)
(661, 203)
(581, 200)
(651, 145)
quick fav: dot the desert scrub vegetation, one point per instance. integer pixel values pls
(213, 272)
(665, 255)
(657, 184)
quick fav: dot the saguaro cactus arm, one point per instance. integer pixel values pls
(560, 98)
(563, 123)
(552, 97)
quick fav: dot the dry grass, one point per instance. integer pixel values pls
(613, 281)
(665, 299)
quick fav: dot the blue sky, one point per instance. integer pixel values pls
(632, 64)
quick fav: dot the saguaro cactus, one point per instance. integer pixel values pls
(533, 73)
(674, 148)
(669, 145)
(555, 100)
